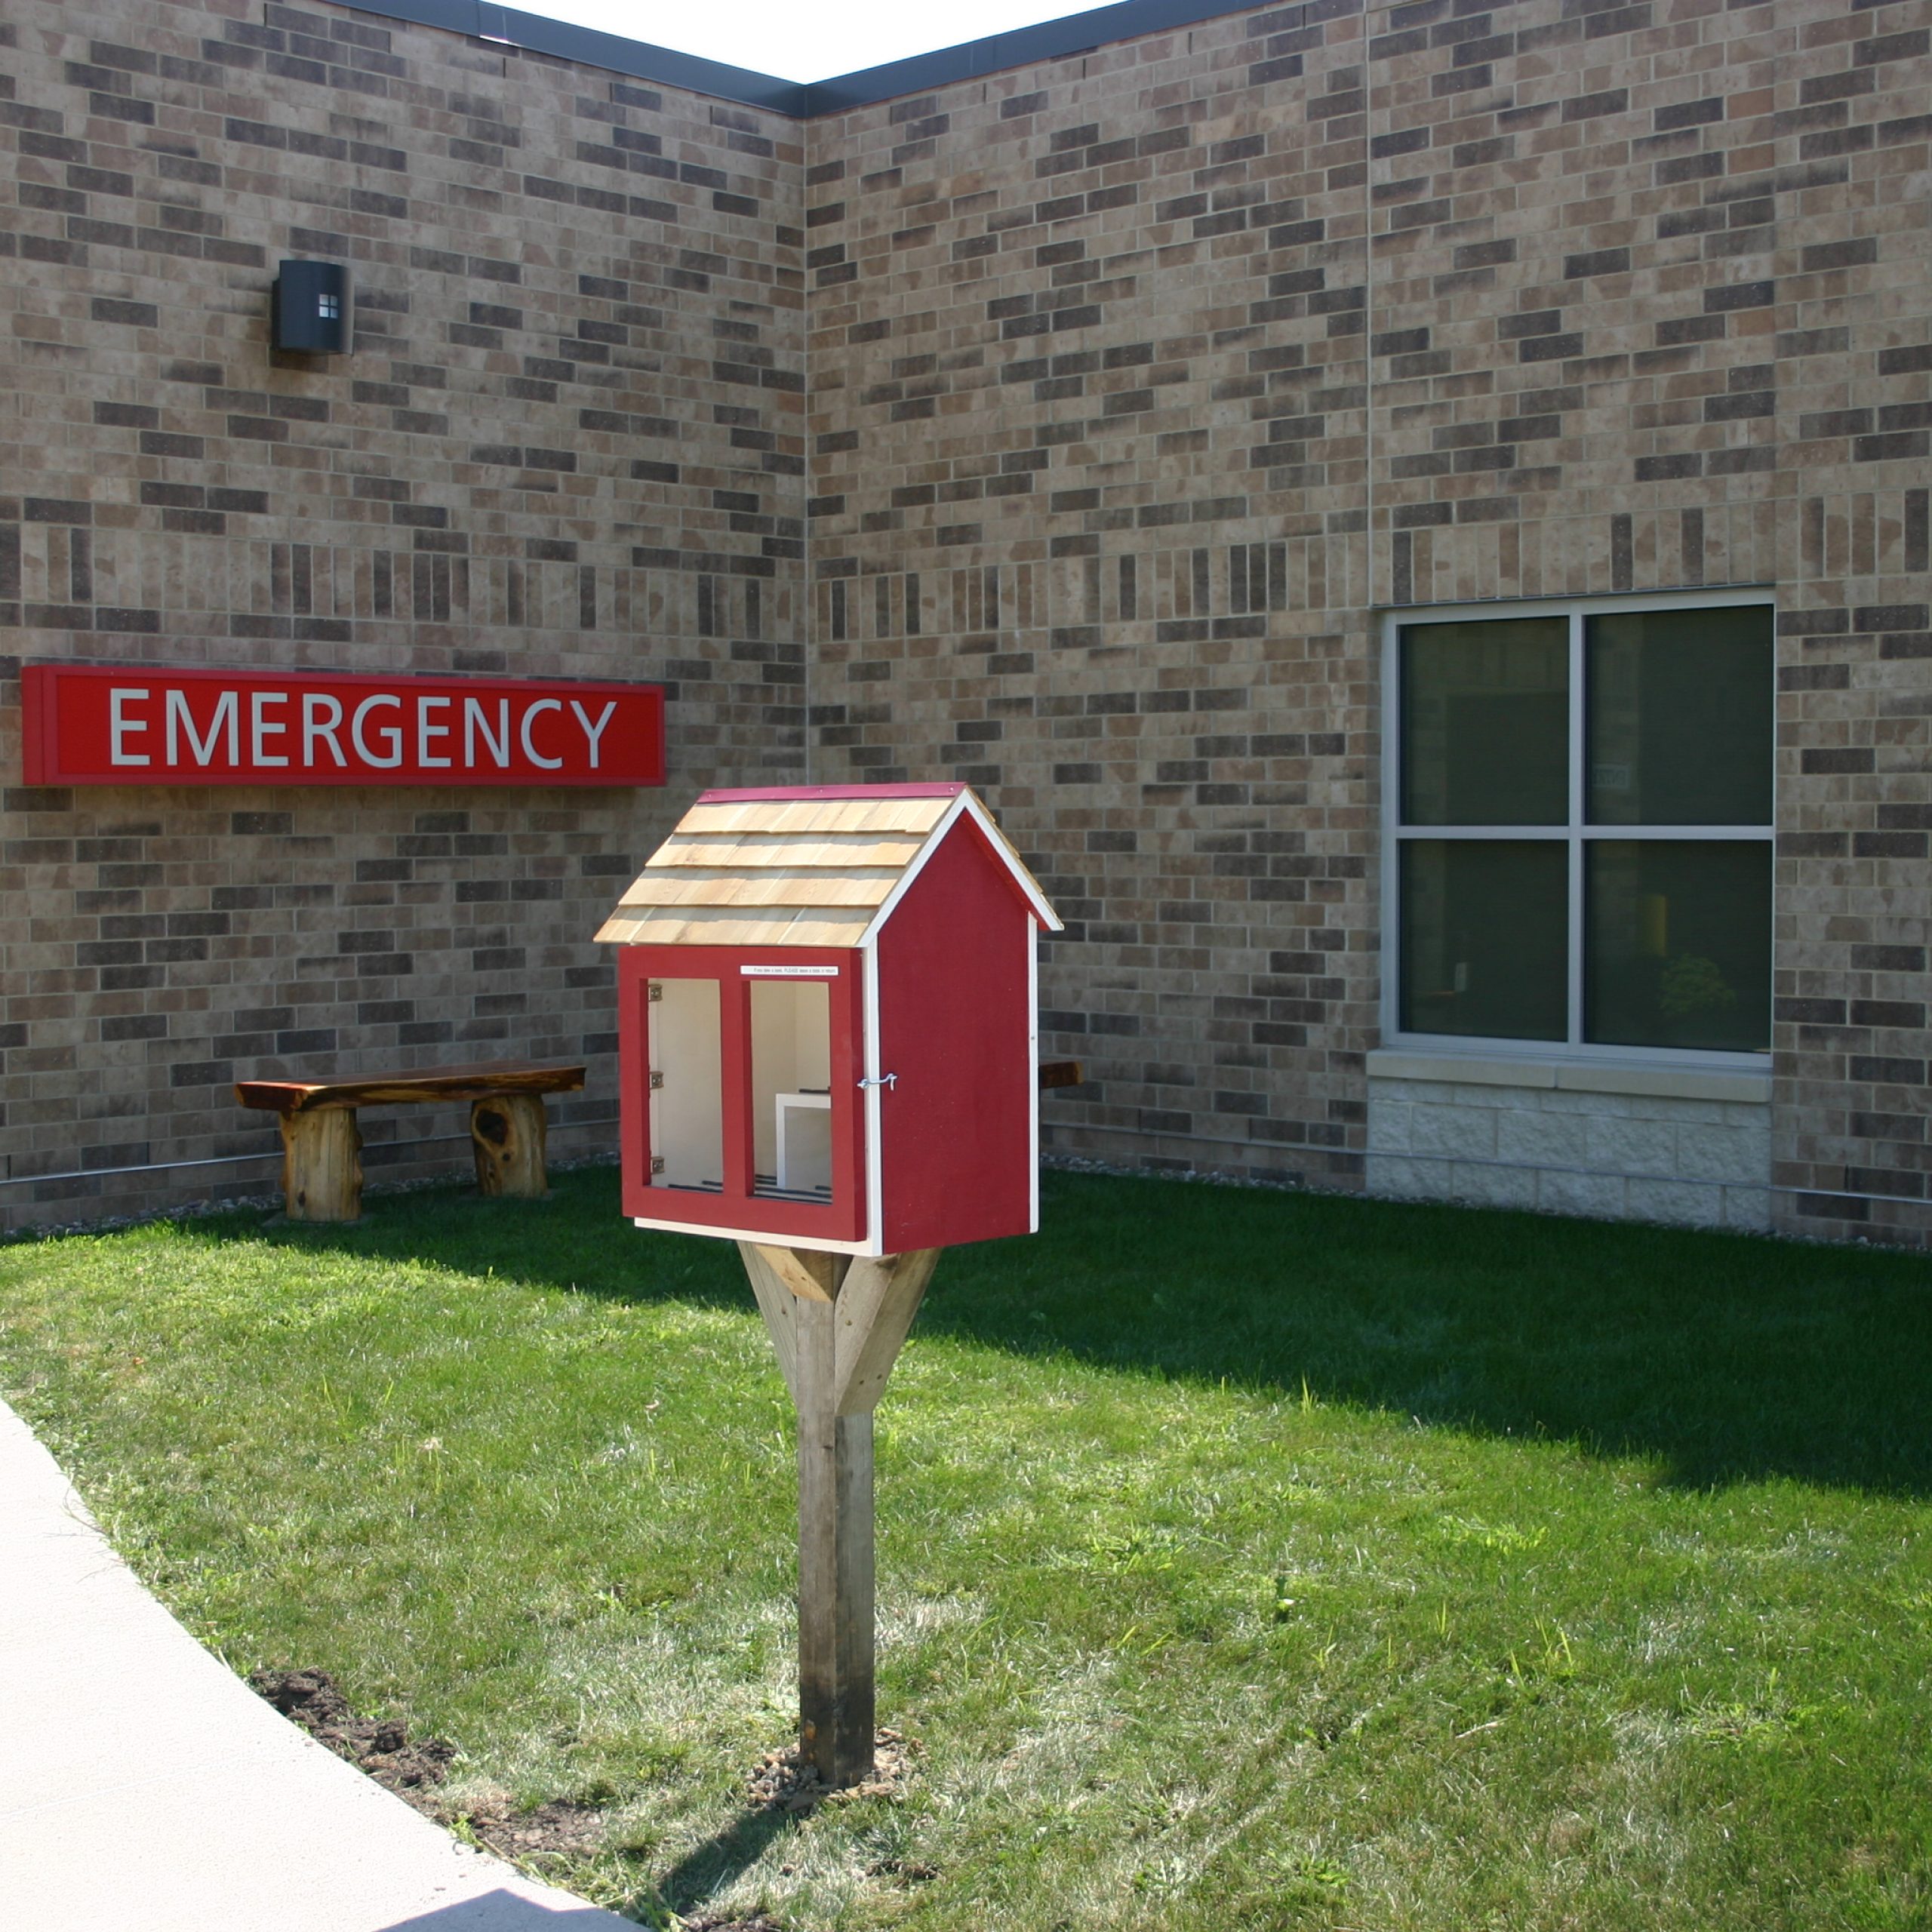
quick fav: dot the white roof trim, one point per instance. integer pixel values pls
(1049, 919)
(965, 805)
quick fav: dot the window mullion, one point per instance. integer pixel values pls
(1579, 751)
(1394, 778)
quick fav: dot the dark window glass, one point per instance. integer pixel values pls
(1485, 937)
(1677, 943)
(1486, 723)
(1678, 718)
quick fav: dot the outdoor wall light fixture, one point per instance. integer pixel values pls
(309, 310)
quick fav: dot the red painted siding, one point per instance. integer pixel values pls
(956, 1144)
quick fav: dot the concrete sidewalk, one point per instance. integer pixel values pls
(143, 1785)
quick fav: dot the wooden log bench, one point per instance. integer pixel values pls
(321, 1168)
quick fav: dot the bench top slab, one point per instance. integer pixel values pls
(431, 1083)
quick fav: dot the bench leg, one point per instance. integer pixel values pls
(321, 1167)
(507, 1131)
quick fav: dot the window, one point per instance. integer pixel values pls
(1581, 849)
(792, 1088)
(687, 1060)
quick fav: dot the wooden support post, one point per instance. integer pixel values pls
(835, 1694)
(506, 1131)
(322, 1166)
(838, 1326)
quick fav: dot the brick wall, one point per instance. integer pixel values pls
(1138, 377)
(1087, 413)
(1137, 381)
(568, 443)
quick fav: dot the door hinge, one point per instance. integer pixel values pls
(657, 1164)
(655, 993)
(657, 1081)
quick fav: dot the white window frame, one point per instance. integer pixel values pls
(1575, 834)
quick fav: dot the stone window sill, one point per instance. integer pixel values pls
(1682, 1083)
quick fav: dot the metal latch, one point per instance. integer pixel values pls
(657, 1164)
(657, 1081)
(884, 1080)
(655, 993)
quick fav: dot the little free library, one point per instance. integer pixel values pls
(1404, 527)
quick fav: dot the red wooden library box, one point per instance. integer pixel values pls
(826, 1022)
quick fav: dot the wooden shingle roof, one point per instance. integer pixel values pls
(804, 867)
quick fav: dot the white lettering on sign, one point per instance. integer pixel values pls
(498, 741)
(392, 733)
(260, 729)
(789, 972)
(120, 726)
(530, 751)
(317, 729)
(425, 731)
(225, 708)
(593, 732)
(322, 726)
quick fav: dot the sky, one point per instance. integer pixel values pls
(801, 41)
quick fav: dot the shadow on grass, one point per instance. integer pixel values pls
(705, 1872)
(1723, 1358)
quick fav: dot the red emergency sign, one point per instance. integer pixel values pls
(152, 724)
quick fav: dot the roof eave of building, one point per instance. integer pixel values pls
(802, 100)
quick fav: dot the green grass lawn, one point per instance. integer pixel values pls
(1247, 1560)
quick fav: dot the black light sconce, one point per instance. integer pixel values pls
(310, 309)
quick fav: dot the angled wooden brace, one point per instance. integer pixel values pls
(872, 1316)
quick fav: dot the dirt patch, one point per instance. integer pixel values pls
(785, 1781)
(381, 1747)
(757, 1922)
(412, 1769)
(557, 1826)
(903, 1871)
